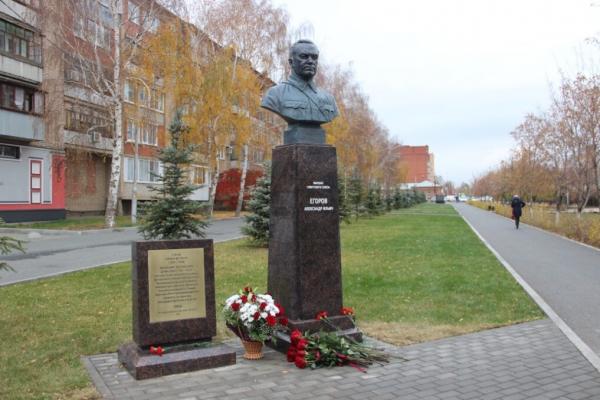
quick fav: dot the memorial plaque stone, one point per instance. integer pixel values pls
(173, 299)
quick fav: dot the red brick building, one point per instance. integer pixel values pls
(417, 163)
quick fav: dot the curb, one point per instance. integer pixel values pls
(60, 232)
(583, 348)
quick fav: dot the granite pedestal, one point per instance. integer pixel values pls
(304, 244)
(173, 300)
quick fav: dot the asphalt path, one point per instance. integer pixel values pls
(52, 253)
(564, 273)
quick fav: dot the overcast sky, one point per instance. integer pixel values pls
(457, 75)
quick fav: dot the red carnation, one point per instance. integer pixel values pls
(291, 354)
(159, 351)
(244, 299)
(253, 298)
(347, 311)
(256, 315)
(262, 306)
(281, 309)
(300, 353)
(295, 336)
(271, 320)
(300, 362)
(283, 321)
(302, 344)
(321, 315)
(247, 289)
(235, 306)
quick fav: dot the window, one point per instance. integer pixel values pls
(7, 151)
(221, 152)
(79, 27)
(21, 99)
(129, 93)
(143, 96)
(154, 25)
(133, 12)
(132, 130)
(197, 175)
(149, 134)
(149, 171)
(81, 118)
(20, 42)
(158, 100)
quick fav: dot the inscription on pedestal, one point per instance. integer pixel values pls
(318, 204)
(176, 284)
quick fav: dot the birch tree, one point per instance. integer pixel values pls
(256, 33)
(100, 40)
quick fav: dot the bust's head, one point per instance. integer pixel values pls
(304, 58)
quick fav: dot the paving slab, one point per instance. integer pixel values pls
(525, 361)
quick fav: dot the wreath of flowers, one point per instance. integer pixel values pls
(253, 316)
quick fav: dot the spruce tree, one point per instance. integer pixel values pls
(171, 214)
(343, 209)
(259, 205)
(8, 245)
(355, 195)
(371, 203)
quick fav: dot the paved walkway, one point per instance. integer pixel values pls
(531, 361)
(565, 274)
(52, 252)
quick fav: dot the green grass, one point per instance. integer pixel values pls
(75, 223)
(409, 277)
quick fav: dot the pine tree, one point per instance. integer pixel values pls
(171, 214)
(8, 245)
(371, 203)
(355, 195)
(257, 223)
(343, 209)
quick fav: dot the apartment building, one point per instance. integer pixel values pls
(57, 132)
(417, 163)
(32, 157)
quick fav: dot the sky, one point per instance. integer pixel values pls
(457, 75)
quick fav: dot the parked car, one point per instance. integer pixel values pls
(440, 199)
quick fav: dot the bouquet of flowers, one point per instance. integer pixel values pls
(253, 316)
(327, 349)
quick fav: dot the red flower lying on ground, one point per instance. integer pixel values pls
(327, 349)
(348, 311)
(157, 350)
(321, 315)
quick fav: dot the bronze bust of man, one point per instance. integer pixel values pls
(297, 99)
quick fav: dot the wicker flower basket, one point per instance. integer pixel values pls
(253, 350)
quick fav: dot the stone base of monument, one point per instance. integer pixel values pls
(141, 364)
(343, 325)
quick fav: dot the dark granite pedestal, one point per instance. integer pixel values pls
(144, 365)
(304, 245)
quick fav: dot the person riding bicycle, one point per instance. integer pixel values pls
(517, 209)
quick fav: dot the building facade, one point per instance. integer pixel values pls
(417, 164)
(32, 157)
(57, 131)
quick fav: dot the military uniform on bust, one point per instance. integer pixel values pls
(298, 100)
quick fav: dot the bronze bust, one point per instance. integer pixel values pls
(297, 99)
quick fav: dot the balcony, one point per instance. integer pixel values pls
(20, 69)
(92, 141)
(21, 126)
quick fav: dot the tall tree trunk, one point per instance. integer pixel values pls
(214, 181)
(115, 170)
(240, 202)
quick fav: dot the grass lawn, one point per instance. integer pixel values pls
(74, 223)
(410, 277)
